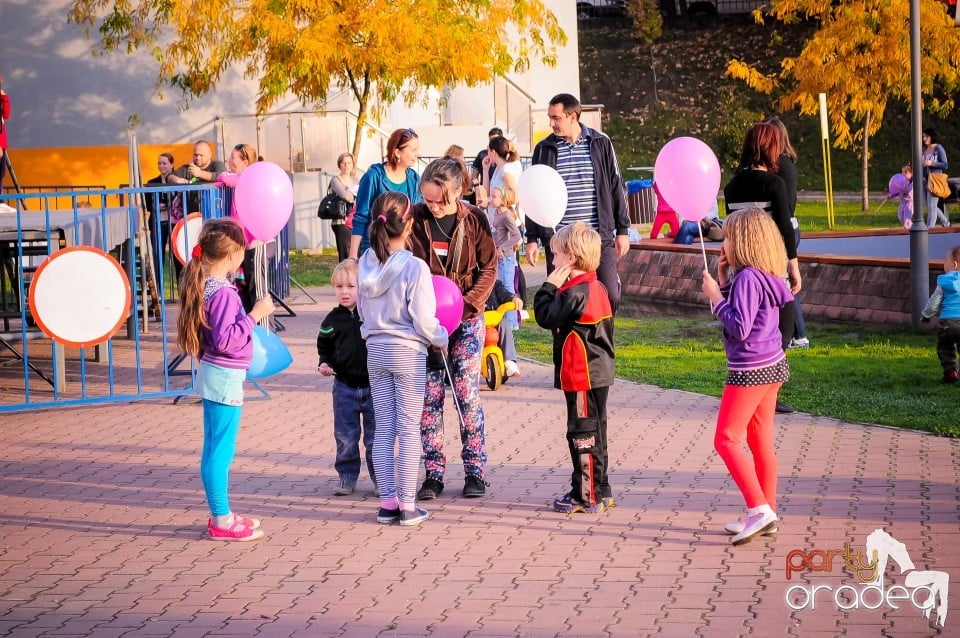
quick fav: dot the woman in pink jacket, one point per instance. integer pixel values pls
(253, 287)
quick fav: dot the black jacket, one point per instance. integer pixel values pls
(579, 316)
(769, 192)
(341, 347)
(611, 203)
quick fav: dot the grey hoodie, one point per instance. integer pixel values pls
(397, 302)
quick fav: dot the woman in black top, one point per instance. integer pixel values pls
(757, 185)
(788, 172)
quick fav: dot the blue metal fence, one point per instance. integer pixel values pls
(141, 362)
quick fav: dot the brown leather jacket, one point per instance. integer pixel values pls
(474, 270)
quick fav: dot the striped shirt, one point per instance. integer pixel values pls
(576, 169)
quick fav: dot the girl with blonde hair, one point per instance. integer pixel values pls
(747, 297)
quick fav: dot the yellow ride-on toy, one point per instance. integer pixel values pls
(492, 366)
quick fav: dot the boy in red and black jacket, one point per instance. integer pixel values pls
(574, 305)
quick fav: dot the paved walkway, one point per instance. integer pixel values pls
(102, 525)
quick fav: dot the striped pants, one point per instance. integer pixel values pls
(255, 274)
(398, 375)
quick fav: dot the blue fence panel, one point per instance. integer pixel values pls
(136, 363)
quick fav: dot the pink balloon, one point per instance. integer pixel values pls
(688, 174)
(897, 183)
(264, 199)
(449, 302)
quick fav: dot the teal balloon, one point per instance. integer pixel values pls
(270, 354)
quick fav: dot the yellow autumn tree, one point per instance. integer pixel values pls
(378, 50)
(860, 58)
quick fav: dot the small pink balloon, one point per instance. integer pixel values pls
(449, 302)
(897, 183)
(688, 174)
(264, 199)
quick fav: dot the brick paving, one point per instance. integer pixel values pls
(102, 518)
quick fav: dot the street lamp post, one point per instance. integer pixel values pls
(919, 261)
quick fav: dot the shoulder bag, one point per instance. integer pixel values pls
(937, 184)
(332, 206)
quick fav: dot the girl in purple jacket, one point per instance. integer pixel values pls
(747, 301)
(214, 329)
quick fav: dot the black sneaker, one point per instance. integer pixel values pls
(783, 408)
(431, 489)
(474, 486)
(386, 517)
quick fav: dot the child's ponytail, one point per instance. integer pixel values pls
(389, 217)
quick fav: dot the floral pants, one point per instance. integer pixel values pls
(465, 347)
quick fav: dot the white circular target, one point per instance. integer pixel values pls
(182, 243)
(80, 296)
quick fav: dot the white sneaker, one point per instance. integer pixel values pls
(755, 525)
(511, 368)
(737, 526)
(802, 342)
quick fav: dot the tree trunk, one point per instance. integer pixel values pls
(865, 168)
(361, 92)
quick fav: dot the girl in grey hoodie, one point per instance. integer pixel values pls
(398, 306)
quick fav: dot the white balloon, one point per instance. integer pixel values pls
(542, 194)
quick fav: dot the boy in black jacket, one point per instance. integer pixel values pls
(573, 304)
(343, 353)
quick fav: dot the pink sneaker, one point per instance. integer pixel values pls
(236, 532)
(252, 523)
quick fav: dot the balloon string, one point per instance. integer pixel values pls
(703, 248)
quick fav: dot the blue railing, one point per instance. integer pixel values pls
(140, 362)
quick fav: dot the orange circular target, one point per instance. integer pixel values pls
(80, 296)
(182, 243)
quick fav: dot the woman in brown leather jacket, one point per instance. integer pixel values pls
(454, 238)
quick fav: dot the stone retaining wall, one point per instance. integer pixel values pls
(834, 288)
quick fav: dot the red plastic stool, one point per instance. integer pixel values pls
(665, 215)
(671, 219)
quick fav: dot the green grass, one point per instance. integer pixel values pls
(312, 269)
(846, 216)
(863, 374)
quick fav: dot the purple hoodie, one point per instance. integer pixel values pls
(750, 314)
(228, 341)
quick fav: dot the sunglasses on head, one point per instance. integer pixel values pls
(243, 152)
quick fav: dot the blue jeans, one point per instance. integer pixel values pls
(507, 274)
(349, 404)
(799, 325)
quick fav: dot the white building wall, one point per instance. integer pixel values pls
(64, 96)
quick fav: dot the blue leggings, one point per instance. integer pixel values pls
(220, 425)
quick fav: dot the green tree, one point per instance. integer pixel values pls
(379, 50)
(860, 58)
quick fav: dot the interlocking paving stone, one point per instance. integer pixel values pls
(103, 519)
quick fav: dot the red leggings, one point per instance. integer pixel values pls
(748, 412)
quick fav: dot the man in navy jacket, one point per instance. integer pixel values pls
(588, 165)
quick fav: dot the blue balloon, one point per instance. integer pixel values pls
(270, 355)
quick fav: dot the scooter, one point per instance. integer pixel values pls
(492, 366)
